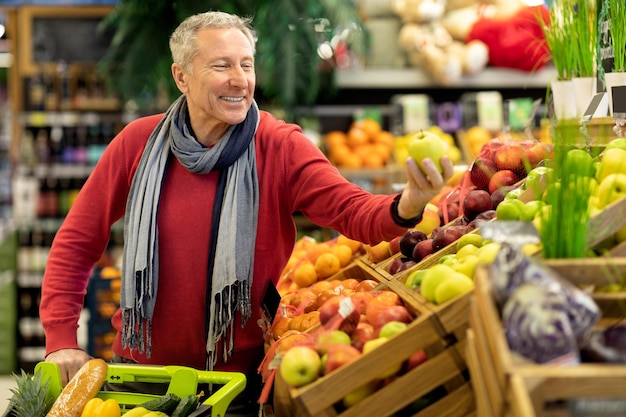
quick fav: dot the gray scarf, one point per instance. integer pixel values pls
(233, 235)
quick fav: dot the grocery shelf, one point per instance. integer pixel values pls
(408, 78)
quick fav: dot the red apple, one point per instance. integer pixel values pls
(364, 331)
(511, 156)
(394, 245)
(409, 239)
(339, 355)
(400, 264)
(501, 179)
(499, 193)
(538, 152)
(476, 202)
(329, 309)
(415, 360)
(377, 317)
(447, 235)
(422, 250)
(481, 171)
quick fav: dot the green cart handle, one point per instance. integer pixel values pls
(182, 382)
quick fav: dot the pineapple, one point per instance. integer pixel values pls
(29, 397)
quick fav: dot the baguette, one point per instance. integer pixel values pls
(83, 386)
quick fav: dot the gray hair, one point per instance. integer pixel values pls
(184, 42)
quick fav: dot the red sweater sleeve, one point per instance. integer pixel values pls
(82, 238)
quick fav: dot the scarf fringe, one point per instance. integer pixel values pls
(233, 298)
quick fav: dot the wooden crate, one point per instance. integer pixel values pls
(444, 371)
(511, 386)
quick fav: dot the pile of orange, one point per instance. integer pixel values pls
(364, 145)
(312, 261)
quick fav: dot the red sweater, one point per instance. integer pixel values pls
(293, 176)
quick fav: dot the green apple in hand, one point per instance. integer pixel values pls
(427, 145)
(300, 365)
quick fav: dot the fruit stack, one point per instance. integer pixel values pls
(364, 145)
(362, 347)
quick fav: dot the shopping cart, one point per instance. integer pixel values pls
(182, 381)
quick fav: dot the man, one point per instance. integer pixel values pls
(207, 191)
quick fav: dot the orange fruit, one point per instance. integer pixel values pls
(355, 245)
(370, 126)
(373, 160)
(290, 339)
(327, 264)
(357, 136)
(343, 253)
(316, 250)
(339, 153)
(385, 137)
(353, 161)
(304, 274)
(335, 138)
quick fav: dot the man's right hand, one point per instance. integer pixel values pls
(69, 362)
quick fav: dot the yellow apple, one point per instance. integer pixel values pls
(466, 250)
(611, 188)
(359, 394)
(430, 219)
(455, 285)
(300, 365)
(469, 238)
(466, 265)
(613, 161)
(487, 253)
(435, 275)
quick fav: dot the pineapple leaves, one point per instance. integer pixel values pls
(29, 396)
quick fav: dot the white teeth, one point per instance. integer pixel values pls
(233, 99)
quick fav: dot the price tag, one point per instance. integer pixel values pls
(619, 99)
(596, 108)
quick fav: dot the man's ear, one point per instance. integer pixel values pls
(178, 73)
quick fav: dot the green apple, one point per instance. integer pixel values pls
(536, 180)
(465, 251)
(427, 145)
(456, 284)
(617, 143)
(392, 328)
(613, 161)
(414, 280)
(514, 193)
(487, 253)
(435, 275)
(449, 259)
(469, 239)
(300, 365)
(530, 209)
(467, 265)
(579, 162)
(611, 188)
(331, 337)
(510, 209)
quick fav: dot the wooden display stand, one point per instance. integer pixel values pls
(445, 369)
(506, 385)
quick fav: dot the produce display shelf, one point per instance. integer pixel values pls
(444, 372)
(512, 386)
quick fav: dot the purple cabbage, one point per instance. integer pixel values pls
(537, 327)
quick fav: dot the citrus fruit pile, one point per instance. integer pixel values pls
(365, 145)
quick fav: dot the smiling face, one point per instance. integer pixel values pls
(220, 84)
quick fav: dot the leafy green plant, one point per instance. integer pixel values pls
(585, 26)
(292, 34)
(616, 14)
(558, 36)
